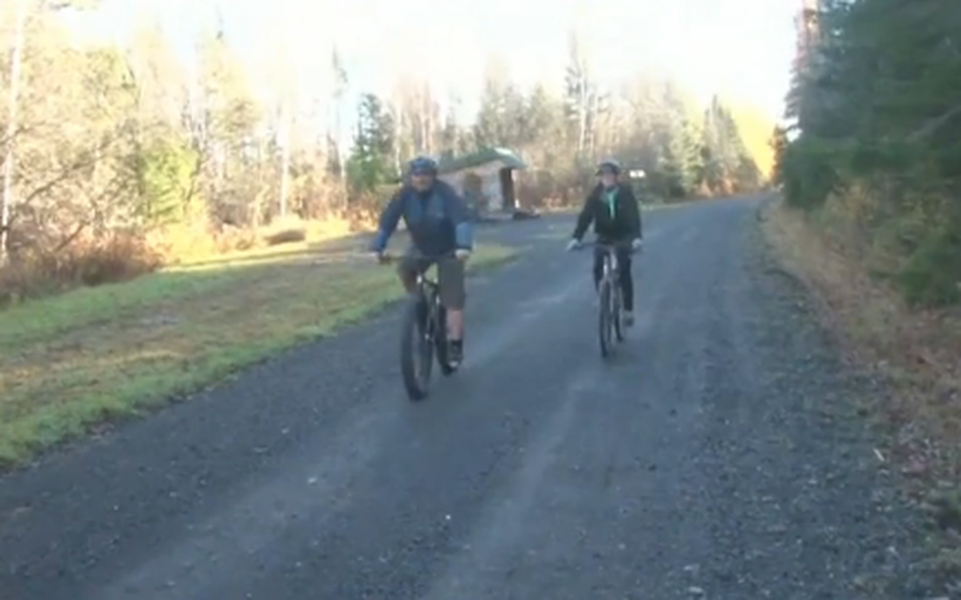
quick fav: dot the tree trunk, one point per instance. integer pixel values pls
(285, 160)
(9, 157)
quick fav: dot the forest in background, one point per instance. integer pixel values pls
(120, 159)
(874, 152)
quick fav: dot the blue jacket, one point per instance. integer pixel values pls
(438, 221)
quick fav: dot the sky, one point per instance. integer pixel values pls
(739, 48)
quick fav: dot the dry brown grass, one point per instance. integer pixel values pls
(122, 256)
(916, 351)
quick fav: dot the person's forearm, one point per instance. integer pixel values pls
(388, 224)
(583, 222)
(464, 235)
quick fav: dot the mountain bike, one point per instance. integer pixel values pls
(423, 336)
(610, 317)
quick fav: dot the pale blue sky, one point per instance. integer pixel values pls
(739, 48)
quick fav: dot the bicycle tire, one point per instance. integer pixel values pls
(604, 325)
(416, 381)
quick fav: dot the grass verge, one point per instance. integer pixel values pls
(72, 362)
(913, 353)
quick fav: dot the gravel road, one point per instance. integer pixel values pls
(714, 457)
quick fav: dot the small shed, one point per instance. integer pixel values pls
(485, 178)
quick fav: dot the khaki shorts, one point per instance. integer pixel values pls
(450, 277)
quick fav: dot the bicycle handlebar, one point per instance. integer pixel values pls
(609, 246)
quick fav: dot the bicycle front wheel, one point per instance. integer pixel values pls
(605, 319)
(416, 350)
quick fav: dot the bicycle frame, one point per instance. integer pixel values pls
(611, 264)
(611, 271)
(428, 290)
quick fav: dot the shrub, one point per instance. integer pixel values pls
(933, 272)
(120, 256)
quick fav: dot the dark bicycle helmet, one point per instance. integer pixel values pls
(423, 165)
(609, 165)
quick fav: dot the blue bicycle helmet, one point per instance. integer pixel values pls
(423, 165)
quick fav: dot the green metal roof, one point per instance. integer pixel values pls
(481, 157)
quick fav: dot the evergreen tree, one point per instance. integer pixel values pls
(371, 162)
(876, 103)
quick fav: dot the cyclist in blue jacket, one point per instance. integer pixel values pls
(441, 232)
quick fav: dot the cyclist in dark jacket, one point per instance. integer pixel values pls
(614, 210)
(441, 232)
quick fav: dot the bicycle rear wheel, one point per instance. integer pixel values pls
(605, 318)
(416, 349)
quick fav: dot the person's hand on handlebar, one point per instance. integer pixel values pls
(462, 254)
(574, 244)
(637, 244)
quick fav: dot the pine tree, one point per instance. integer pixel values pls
(876, 104)
(371, 162)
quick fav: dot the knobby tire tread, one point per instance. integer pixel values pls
(410, 334)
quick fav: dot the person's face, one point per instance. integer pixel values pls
(608, 178)
(421, 180)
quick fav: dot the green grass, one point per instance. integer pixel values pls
(72, 362)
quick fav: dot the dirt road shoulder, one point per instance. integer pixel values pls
(910, 359)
